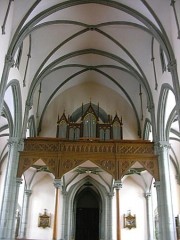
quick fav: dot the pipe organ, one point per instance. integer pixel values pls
(90, 124)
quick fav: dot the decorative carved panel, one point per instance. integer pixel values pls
(115, 157)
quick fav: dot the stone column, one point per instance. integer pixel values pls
(58, 185)
(118, 186)
(109, 217)
(24, 218)
(64, 211)
(167, 219)
(18, 182)
(8, 208)
(150, 223)
(160, 231)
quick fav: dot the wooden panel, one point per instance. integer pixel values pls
(115, 157)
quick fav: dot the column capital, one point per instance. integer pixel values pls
(172, 65)
(21, 144)
(16, 141)
(163, 144)
(110, 194)
(64, 192)
(172, 3)
(29, 104)
(13, 140)
(157, 184)
(58, 183)
(28, 192)
(147, 195)
(178, 179)
(117, 184)
(19, 180)
(150, 107)
(9, 60)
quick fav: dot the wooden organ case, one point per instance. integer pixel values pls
(89, 125)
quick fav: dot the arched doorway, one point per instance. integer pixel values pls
(70, 202)
(87, 214)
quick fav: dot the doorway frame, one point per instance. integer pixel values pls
(105, 225)
(96, 195)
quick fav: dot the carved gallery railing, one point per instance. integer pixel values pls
(114, 157)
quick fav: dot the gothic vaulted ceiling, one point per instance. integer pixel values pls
(113, 53)
(111, 45)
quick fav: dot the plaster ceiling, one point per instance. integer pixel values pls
(76, 42)
(108, 43)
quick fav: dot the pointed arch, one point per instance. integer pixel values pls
(68, 221)
(17, 100)
(7, 114)
(161, 125)
(147, 129)
(32, 126)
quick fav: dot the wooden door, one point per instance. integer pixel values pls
(87, 224)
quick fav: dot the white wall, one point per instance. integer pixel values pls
(132, 198)
(43, 197)
(108, 100)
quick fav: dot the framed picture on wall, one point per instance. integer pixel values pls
(44, 220)
(129, 220)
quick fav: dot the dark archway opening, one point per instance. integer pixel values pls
(87, 215)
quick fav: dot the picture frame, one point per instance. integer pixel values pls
(44, 220)
(129, 220)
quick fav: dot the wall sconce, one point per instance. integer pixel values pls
(44, 219)
(129, 220)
